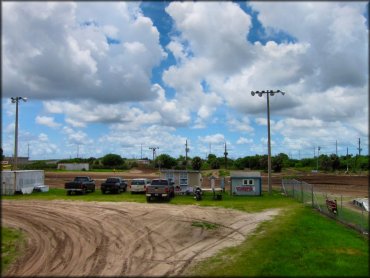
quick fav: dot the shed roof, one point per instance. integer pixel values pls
(245, 174)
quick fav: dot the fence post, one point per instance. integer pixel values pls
(312, 195)
(302, 193)
(293, 188)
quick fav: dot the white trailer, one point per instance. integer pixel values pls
(21, 181)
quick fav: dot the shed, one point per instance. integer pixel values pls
(21, 181)
(183, 179)
(246, 183)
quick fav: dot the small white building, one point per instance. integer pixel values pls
(22, 181)
(184, 180)
(246, 183)
(74, 166)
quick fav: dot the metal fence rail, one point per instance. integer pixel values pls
(346, 212)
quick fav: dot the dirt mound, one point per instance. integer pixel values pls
(70, 238)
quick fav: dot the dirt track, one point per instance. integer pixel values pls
(71, 238)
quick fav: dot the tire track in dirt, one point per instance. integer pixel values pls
(72, 238)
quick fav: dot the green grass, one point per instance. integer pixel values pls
(299, 242)
(60, 194)
(205, 225)
(12, 243)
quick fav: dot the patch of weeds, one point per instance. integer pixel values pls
(205, 225)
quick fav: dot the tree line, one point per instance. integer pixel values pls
(256, 162)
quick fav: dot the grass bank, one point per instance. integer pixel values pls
(300, 242)
(12, 244)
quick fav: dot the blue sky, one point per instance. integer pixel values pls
(119, 77)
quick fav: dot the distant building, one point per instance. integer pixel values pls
(74, 166)
(182, 178)
(20, 160)
(143, 161)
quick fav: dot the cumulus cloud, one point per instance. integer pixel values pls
(243, 140)
(47, 121)
(52, 54)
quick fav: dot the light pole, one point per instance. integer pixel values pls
(16, 101)
(318, 154)
(260, 94)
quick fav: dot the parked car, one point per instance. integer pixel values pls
(160, 189)
(139, 185)
(113, 185)
(82, 185)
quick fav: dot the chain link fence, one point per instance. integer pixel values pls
(347, 210)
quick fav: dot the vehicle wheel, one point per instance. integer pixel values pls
(103, 191)
(148, 199)
(69, 192)
(83, 191)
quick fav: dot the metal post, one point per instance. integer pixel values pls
(312, 195)
(16, 101)
(268, 92)
(268, 145)
(15, 167)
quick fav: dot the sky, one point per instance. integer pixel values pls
(121, 77)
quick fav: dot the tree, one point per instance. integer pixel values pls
(334, 161)
(112, 160)
(196, 163)
(277, 163)
(165, 161)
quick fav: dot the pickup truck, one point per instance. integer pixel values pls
(80, 185)
(160, 189)
(113, 185)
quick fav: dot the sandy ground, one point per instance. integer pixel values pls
(72, 238)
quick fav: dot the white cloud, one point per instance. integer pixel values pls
(60, 51)
(47, 121)
(243, 141)
(214, 139)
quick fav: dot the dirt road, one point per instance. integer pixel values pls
(71, 238)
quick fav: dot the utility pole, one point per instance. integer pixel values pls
(153, 149)
(336, 147)
(28, 151)
(359, 147)
(225, 153)
(16, 101)
(141, 151)
(268, 93)
(347, 159)
(186, 151)
(318, 154)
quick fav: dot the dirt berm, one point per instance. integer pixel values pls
(72, 238)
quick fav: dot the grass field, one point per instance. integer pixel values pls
(299, 242)
(12, 242)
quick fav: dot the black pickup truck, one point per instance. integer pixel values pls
(80, 185)
(160, 189)
(113, 185)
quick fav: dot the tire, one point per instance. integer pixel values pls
(148, 199)
(83, 192)
(69, 192)
(103, 191)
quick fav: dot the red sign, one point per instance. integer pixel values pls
(245, 188)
